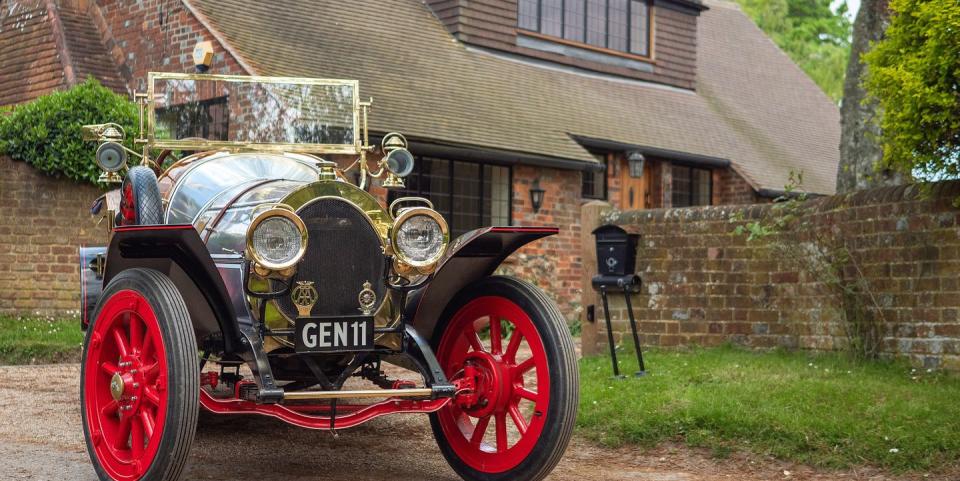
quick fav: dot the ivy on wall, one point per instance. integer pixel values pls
(46, 132)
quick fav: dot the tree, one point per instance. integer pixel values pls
(860, 151)
(914, 77)
(815, 36)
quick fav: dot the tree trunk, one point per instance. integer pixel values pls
(860, 151)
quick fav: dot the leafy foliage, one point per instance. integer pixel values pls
(46, 133)
(914, 73)
(816, 37)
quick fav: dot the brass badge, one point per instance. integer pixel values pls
(367, 298)
(304, 296)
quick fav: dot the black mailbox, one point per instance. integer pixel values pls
(616, 261)
(616, 250)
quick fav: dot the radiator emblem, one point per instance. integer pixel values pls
(304, 296)
(367, 298)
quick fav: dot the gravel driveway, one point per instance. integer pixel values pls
(41, 439)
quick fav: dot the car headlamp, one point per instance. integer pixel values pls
(419, 237)
(277, 239)
(111, 157)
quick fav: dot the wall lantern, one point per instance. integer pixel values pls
(536, 195)
(635, 161)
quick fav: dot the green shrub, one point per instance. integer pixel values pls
(913, 73)
(46, 132)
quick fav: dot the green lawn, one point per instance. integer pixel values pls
(30, 340)
(824, 410)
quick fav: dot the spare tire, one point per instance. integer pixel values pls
(140, 198)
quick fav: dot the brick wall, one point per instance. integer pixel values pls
(46, 220)
(705, 285)
(730, 188)
(553, 263)
(155, 35)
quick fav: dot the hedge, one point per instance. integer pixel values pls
(46, 132)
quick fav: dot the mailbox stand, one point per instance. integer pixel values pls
(616, 254)
(629, 284)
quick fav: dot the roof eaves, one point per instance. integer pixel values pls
(697, 5)
(476, 153)
(672, 155)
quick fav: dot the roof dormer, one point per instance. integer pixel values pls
(653, 40)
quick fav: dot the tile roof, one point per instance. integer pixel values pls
(753, 106)
(87, 50)
(39, 47)
(29, 62)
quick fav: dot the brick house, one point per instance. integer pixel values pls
(498, 97)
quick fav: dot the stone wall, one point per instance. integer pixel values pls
(703, 284)
(44, 222)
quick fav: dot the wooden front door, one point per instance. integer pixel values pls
(633, 192)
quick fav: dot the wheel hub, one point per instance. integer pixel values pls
(491, 392)
(116, 386)
(126, 385)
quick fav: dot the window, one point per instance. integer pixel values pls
(469, 195)
(621, 25)
(691, 186)
(595, 183)
(207, 119)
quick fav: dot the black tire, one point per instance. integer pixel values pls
(181, 379)
(140, 198)
(564, 379)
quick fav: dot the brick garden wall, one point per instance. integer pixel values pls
(705, 285)
(44, 222)
(556, 263)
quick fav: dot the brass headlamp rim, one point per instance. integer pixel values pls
(424, 267)
(277, 211)
(110, 144)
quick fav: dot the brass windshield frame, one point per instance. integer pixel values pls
(203, 144)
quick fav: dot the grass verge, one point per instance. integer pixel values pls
(824, 410)
(32, 340)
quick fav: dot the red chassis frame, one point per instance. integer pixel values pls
(354, 414)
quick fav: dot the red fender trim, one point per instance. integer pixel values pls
(472, 256)
(352, 414)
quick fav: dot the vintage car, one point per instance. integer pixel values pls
(250, 271)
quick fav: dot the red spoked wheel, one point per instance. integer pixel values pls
(512, 343)
(136, 399)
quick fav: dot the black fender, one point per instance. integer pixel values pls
(178, 252)
(470, 257)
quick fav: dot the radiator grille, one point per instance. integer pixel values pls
(343, 252)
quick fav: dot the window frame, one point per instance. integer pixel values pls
(650, 57)
(419, 173)
(691, 191)
(603, 159)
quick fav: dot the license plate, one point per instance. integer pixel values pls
(334, 334)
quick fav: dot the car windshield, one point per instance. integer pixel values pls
(307, 115)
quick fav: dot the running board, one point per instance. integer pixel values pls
(362, 394)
